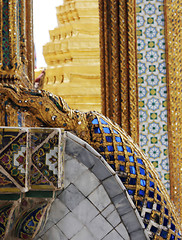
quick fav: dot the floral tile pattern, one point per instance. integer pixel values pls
(152, 90)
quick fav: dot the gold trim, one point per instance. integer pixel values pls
(29, 39)
(124, 80)
(115, 64)
(132, 66)
(173, 30)
(10, 190)
(1, 53)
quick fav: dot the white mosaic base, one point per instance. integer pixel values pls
(94, 204)
(152, 85)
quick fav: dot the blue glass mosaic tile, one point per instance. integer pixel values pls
(151, 184)
(163, 234)
(118, 139)
(101, 149)
(131, 158)
(95, 121)
(128, 149)
(115, 131)
(131, 192)
(122, 168)
(153, 229)
(103, 122)
(158, 207)
(110, 148)
(142, 171)
(120, 148)
(151, 194)
(158, 197)
(149, 205)
(143, 182)
(173, 227)
(123, 179)
(158, 189)
(165, 222)
(172, 237)
(147, 216)
(121, 158)
(97, 130)
(132, 170)
(106, 130)
(111, 157)
(166, 211)
(108, 139)
(140, 203)
(132, 181)
(141, 192)
(139, 161)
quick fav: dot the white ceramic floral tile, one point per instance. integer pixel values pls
(152, 84)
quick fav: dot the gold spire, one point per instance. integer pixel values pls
(73, 55)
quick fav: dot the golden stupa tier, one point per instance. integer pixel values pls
(73, 55)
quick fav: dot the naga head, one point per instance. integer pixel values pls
(43, 107)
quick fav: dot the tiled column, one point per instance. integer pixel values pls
(152, 86)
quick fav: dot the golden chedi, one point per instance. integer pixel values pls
(73, 57)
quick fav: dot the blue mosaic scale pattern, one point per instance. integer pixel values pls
(152, 87)
(140, 183)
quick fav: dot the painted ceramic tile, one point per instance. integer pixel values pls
(152, 85)
(38, 151)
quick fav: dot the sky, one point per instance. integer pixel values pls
(44, 20)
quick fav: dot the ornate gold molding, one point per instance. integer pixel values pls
(173, 30)
(118, 63)
(29, 39)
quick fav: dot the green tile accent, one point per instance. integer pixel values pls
(39, 194)
(9, 197)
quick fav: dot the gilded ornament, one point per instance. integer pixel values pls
(125, 157)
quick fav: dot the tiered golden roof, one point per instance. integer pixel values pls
(73, 56)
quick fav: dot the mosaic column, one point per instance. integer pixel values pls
(159, 79)
(13, 38)
(152, 85)
(159, 59)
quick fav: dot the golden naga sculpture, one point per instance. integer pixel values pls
(124, 156)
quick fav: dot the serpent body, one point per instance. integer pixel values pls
(118, 149)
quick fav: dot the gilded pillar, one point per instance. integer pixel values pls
(29, 39)
(13, 39)
(118, 63)
(173, 30)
